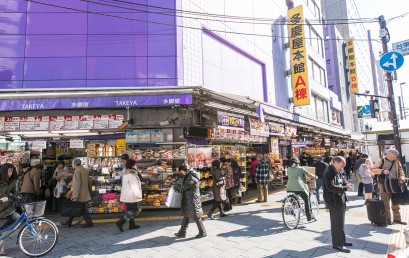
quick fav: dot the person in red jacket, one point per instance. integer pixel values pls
(253, 167)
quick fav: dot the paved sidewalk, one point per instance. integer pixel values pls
(250, 230)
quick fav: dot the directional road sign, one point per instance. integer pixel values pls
(391, 61)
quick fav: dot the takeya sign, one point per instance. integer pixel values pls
(301, 89)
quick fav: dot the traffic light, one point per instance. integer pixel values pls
(374, 103)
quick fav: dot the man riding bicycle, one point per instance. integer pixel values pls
(297, 183)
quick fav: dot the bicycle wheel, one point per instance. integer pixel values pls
(291, 212)
(40, 239)
(315, 208)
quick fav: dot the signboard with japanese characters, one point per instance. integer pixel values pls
(72, 123)
(42, 123)
(300, 84)
(56, 123)
(40, 145)
(290, 131)
(27, 123)
(76, 144)
(353, 78)
(259, 128)
(230, 121)
(402, 47)
(335, 117)
(276, 129)
(86, 122)
(12, 124)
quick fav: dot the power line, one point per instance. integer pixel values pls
(172, 25)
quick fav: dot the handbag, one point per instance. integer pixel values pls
(392, 185)
(174, 199)
(270, 175)
(72, 209)
(221, 183)
(402, 198)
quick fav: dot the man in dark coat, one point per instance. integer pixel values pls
(320, 167)
(191, 201)
(335, 187)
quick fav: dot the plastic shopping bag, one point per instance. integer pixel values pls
(174, 199)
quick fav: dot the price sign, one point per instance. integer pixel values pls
(76, 144)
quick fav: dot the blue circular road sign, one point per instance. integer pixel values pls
(391, 61)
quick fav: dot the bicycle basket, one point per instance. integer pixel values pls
(35, 209)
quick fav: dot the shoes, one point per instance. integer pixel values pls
(132, 225)
(389, 223)
(87, 225)
(239, 202)
(223, 215)
(259, 201)
(341, 249)
(180, 235)
(347, 244)
(201, 235)
(210, 216)
(265, 201)
(119, 224)
(309, 219)
(65, 223)
(400, 222)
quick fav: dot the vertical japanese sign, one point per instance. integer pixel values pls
(300, 85)
(353, 78)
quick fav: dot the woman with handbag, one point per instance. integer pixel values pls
(219, 190)
(59, 182)
(390, 167)
(227, 172)
(191, 201)
(131, 194)
(367, 178)
(237, 184)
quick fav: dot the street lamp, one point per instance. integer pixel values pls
(401, 97)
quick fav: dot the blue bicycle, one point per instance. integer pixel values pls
(37, 236)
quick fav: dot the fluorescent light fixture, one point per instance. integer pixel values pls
(27, 133)
(70, 132)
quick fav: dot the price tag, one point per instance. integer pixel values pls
(102, 191)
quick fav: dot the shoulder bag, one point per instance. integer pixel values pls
(402, 198)
(72, 209)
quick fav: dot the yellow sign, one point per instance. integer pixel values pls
(301, 89)
(120, 143)
(353, 78)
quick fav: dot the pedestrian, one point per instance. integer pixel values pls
(328, 159)
(80, 192)
(367, 178)
(358, 177)
(30, 183)
(262, 176)
(253, 168)
(191, 201)
(227, 172)
(304, 159)
(335, 187)
(237, 184)
(8, 214)
(320, 167)
(61, 177)
(131, 194)
(391, 166)
(124, 158)
(219, 190)
(310, 160)
(351, 159)
(297, 183)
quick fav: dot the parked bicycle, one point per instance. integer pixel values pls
(36, 236)
(293, 207)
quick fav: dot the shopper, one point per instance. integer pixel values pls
(227, 172)
(80, 192)
(8, 214)
(30, 183)
(320, 167)
(297, 183)
(351, 159)
(367, 178)
(237, 185)
(358, 177)
(391, 166)
(262, 174)
(191, 201)
(253, 168)
(335, 187)
(124, 158)
(304, 159)
(131, 194)
(61, 177)
(219, 190)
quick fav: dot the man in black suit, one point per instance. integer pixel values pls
(335, 187)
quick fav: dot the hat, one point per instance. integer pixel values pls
(125, 156)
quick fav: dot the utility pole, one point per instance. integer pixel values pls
(385, 36)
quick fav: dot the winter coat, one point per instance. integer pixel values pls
(31, 182)
(219, 188)
(253, 167)
(297, 181)
(7, 208)
(320, 167)
(191, 200)
(228, 174)
(63, 173)
(236, 174)
(335, 187)
(80, 185)
(262, 173)
(131, 187)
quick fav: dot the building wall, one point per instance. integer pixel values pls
(68, 46)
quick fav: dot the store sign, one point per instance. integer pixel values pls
(120, 143)
(56, 123)
(143, 137)
(282, 142)
(41, 145)
(276, 129)
(353, 78)
(230, 121)
(300, 84)
(100, 102)
(335, 117)
(259, 128)
(76, 144)
(290, 131)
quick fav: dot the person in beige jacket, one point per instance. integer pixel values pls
(392, 167)
(31, 183)
(131, 194)
(80, 192)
